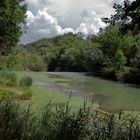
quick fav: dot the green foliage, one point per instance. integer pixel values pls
(6, 94)
(62, 123)
(27, 94)
(94, 58)
(12, 23)
(14, 122)
(10, 87)
(110, 41)
(120, 59)
(20, 59)
(133, 76)
(64, 53)
(34, 62)
(128, 15)
(26, 82)
(8, 78)
(108, 72)
(105, 55)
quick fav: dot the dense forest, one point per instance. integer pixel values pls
(109, 55)
(114, 53)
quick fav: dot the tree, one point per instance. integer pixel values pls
(110, 41)
(94, 59)
(120, 59)
(128, 15)
(12, 23)
(34, 62)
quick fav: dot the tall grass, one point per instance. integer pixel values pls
(11, 87)
(62, 123)
(8, 78)
(26, 82)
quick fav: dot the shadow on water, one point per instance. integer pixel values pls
(135, 86)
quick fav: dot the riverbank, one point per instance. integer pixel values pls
(109, 95)
(43, 92)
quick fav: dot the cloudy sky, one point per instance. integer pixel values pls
(47, 18)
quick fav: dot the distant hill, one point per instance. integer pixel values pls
(55, 41)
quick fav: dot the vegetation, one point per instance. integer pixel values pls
(12, 23)
(111, 54)
(10, 87)
(7, 78)
(21, 59)
(114, 53)
(62, 123)
(58, 86)
(26, 82)
(127, 15)
(27, 94)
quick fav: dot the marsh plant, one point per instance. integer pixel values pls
(8, 78)
(11, 87)
(62, 123)
(26, 82)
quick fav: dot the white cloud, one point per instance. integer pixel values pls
(91, 23)
(47, 18)
(30, 17)
(42, 25)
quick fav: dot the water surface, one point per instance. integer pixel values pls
(111, 96)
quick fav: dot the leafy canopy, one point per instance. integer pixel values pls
(12, 23)
(127, 15)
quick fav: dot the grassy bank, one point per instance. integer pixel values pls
(43, 94)
(11, 87)
(53, 115)
(111, 96)
(63, 124)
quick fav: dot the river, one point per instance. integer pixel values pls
(111, 96)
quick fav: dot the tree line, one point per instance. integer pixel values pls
(114, 53)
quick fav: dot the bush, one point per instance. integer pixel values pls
(108, 73)
(35, 62)
(8, 78)
(26, 82)
(133, 76)
(15, 124)
(62, 123)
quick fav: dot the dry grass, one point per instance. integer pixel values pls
(15, 90)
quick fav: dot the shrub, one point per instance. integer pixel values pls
(35, 62)
(8, 78)
(133, 76)
(26, 82)
(119, 76)
(15, 124)
(108, 73)
(62, 123)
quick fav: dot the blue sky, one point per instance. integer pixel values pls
(48, 18)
